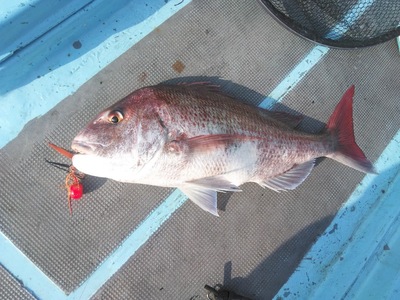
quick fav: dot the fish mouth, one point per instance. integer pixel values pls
(85, 147)
(81, 147)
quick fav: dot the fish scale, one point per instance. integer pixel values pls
(196, 138)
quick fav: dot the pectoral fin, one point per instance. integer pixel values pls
(203, 143)
(291, 178)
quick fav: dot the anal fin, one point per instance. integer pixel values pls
(291, 178)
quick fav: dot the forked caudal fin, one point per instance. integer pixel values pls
(340, 125)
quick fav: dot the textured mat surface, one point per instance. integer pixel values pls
(260, 236)
(12, 289)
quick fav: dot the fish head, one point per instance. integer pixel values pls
(119, 141)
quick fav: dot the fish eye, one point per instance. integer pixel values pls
(115, 117)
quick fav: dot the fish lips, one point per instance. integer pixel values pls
(87, 146)
(82, 147)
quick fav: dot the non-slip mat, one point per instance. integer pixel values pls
(260, 236)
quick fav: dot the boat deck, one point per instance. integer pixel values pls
(335, 236)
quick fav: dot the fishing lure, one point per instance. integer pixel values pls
(74, 186)
(73, 181)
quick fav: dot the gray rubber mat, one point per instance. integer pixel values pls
(260, 236)
(11, 289)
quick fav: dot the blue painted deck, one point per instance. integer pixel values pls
(54, 68)
(351, 260)
(65, 69)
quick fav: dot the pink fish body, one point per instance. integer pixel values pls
(195, 138)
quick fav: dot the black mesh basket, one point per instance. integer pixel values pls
(339, 23)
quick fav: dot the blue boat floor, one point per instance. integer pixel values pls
(124, 241)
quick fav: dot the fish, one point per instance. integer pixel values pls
(198, 139)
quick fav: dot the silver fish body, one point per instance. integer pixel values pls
(195, 138)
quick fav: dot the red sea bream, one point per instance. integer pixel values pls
(195, 138)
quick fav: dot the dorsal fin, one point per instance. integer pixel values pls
(286, 118)
(204, 85)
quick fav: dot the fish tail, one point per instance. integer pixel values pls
(340, 127)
